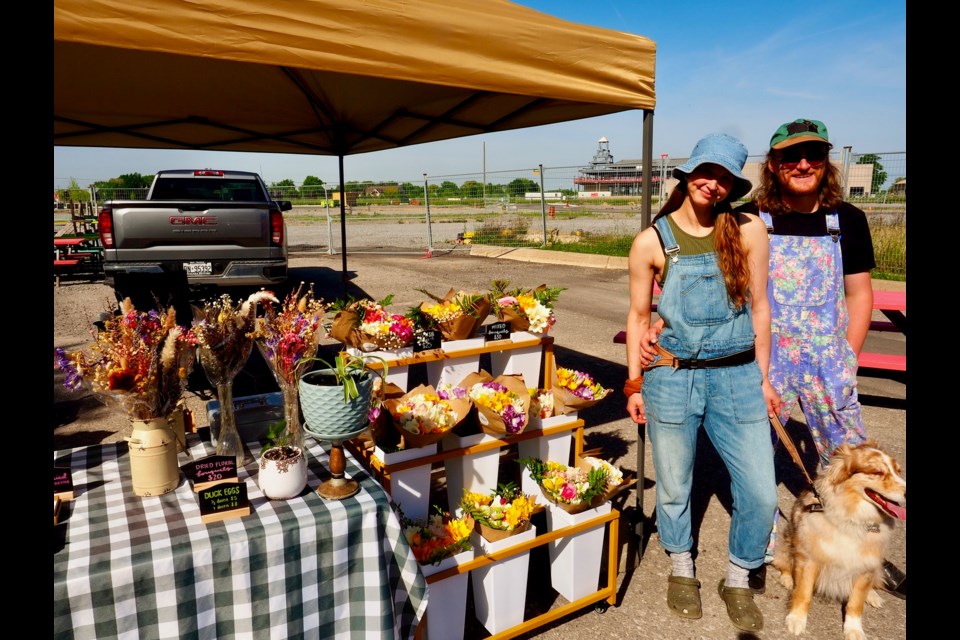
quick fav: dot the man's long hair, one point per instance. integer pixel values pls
(769, 195)
(726, 242)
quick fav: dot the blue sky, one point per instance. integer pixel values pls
(741, 67)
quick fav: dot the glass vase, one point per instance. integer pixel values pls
(229, 442)
(291, 413)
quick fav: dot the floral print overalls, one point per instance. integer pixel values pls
(810, 358)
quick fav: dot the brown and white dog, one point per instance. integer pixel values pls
(835, 546)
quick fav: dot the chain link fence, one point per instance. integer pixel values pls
(584, 209)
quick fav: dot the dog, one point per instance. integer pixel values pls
(834, 546)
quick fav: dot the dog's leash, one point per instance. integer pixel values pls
(792, 449)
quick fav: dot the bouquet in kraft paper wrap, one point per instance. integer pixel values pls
(458, 315)
(367, 325)
(503, 403)
(575, 489)
(500, 514)
(437, 537)
(574, 390)
(525, 309)
(424, 415)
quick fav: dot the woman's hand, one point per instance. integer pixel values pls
(772, 398)
(636, 409)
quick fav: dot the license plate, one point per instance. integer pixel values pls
(198, 268)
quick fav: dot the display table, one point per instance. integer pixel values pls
(149, 568)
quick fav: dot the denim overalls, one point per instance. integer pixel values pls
(700, 322)
(810, 357)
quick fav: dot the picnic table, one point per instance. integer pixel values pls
(305, 567)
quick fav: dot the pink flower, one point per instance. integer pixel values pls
(569, 492)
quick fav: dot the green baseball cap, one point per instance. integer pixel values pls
(801, 130)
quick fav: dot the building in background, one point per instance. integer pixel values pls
(603, 177)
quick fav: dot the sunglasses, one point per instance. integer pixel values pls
(790, 157)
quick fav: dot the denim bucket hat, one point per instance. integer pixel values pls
(724, 150)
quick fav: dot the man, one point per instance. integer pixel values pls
(819, 290)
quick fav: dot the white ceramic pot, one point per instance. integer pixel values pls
(284, 479)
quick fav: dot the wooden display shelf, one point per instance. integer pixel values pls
(364, 450)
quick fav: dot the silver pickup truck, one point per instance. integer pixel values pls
(209, 227)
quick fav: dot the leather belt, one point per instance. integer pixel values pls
(667, 359)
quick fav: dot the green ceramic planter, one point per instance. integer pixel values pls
(326, 415)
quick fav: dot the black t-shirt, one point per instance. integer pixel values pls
(856, 245)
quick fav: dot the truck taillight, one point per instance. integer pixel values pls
(105, 227)
(276, 228)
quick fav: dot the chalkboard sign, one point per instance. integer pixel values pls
(222, 501)
(62, 483)
(212, 470)
(498, 331)
(426, 340)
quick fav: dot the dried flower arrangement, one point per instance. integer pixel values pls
(224, 334)
(138, 362)
(288, 336)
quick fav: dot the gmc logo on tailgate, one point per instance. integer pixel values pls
(193, 220)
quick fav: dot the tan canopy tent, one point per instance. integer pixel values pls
(332, 78)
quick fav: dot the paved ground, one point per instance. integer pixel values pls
(589, 313)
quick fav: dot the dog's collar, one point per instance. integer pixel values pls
(813, 507)
(873, 528)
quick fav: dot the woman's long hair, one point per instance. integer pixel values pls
(726, 242)
(769, 195)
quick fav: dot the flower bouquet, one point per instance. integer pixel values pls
(437, 537)
(503, 403)
(288, 339)
(458, 315)
(526, 310)
(500, 514)
(138, 363)
(424, 415)
(574, 489)
(541, 403)
(367, 326)
(574, 390)
(224, 335)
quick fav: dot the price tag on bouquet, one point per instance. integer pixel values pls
(497, 331)
(426, 340)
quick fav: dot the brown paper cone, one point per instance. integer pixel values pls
(564, 400)
(495, 535)
(490, 421)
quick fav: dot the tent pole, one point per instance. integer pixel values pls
(343, 227)
(647, 155)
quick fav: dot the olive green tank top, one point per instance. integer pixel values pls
(689, 245)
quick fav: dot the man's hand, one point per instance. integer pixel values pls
(648, 342)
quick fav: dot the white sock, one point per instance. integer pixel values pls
(737, 576)
(682, 564)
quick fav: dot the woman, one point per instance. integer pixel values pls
(712, 268)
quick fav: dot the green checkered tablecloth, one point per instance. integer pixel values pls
(131, 567)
